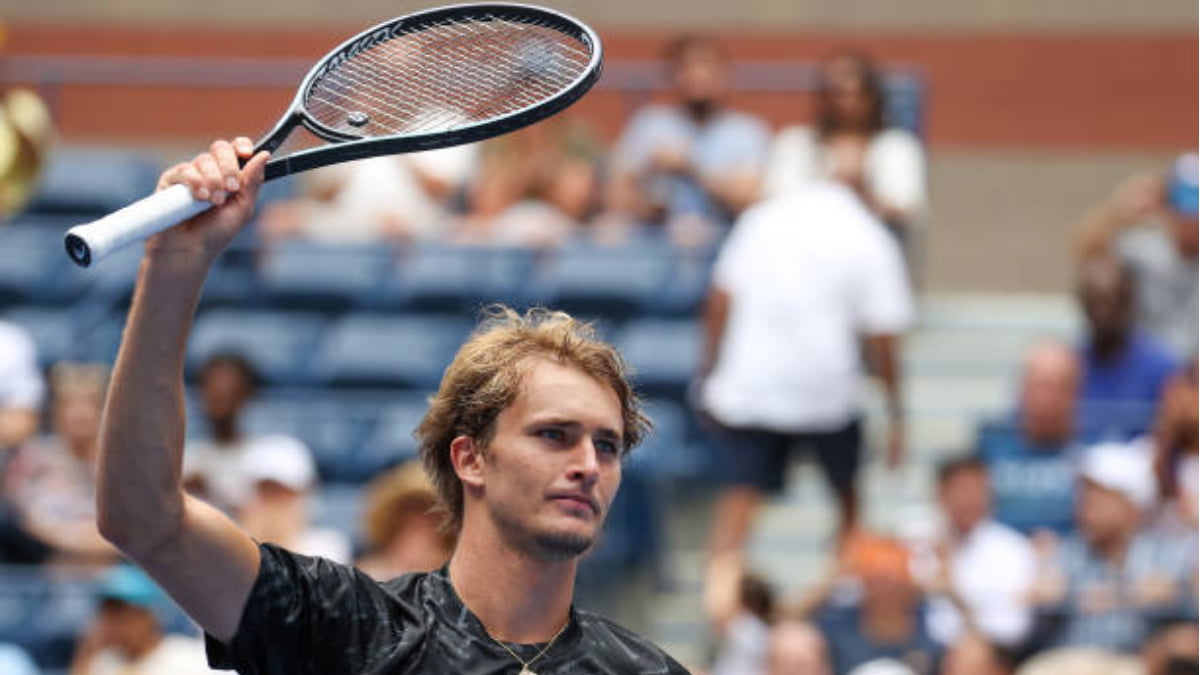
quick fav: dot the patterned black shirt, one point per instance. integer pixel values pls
(310, 616)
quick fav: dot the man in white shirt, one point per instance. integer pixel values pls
(800, 285)
(992, 567)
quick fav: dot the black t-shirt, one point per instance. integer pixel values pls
(310, 616)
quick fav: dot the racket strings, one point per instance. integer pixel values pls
(447, 75)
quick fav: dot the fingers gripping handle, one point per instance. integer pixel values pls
(92, 242)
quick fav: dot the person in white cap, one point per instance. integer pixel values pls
(283, 475)
(1107, 584)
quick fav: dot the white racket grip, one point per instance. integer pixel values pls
(91, 242)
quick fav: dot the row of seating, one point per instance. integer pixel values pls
(356, 349)
(644, 276)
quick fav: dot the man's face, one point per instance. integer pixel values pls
(553, 465)
(1104, 514)
(77, 417)
(700, 76)
(966, 498)
(1187, 239)
(1107, 300)
(124, 627)
(225, 391)
(1049, 388)
(846, 93)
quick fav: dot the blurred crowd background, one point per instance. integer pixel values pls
(910, 290)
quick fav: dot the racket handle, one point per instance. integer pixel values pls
(91, 242)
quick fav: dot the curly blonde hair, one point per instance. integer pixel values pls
(486, 375)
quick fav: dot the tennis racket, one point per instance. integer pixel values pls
(428, 80)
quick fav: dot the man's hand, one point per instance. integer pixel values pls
(213, 176)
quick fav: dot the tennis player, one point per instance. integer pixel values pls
(523, 441)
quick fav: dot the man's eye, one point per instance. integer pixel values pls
(552, 434)
(608, 447)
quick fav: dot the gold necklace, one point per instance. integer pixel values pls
(525, 664)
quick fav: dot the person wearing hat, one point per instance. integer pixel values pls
(1106, 585)
(126, 635)
(1150, 223)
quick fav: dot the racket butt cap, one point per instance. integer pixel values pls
(78, 250)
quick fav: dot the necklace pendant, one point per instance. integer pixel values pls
(526, 671)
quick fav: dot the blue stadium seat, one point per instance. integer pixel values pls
(443, 277)
(669, 453)
(52, 331)
(664, 353)
(42, 615)
(607, 280)
(340, 507)
(279, 344)
(33, 265)
(93, 181)
(379, 350)
(310, 275)
(393, 441)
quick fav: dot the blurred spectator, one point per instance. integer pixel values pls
(1081, 661)
(26, 133)
(397, 198)
(1150, 222)
(213, 469)
(797, 648)
(283, 476)
(743, 611)
(1032, 458)
(126, 636)
(51, 481)
(991, 566)
(886, 620)
(1107, 585)
(536, 188)
(1176, 446)
(1121, 365)
(15, 661)
(403, 528)
(798, 287)
(692, 160)
(850, 142)
(21, 387)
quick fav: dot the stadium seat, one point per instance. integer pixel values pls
(44, 616)
(279, 344)
(380, 350)
(93, 182)
(33, 265)
(307, 275)
(664, 353)
(607, 280)
(393, 441)
(52, 331)
(339, 507)
(443, 277)
(669, 453)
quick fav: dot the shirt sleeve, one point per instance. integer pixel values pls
(885, 305)
(309, 616)
(896, 170)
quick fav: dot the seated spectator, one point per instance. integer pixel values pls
(212, 468)
(975, 655)
(1150, 223)
(402, 525)
(797, 648)
(1173, 649)
(21, 387)
(693, 162)
(742, 604)
(991, 566)
(1176, 445)
(1122, 367)
(393, 198)
(850, 142)
(886, 620)
(1109, 583)
(283, 476)
(51, 482)
(1080, 661)
(1031, 459)
(126, 635)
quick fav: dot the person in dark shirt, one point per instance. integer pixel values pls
(523, 443)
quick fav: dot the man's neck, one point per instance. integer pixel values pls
(518, 598)
(224, 431)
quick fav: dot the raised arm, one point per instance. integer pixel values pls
(199, 556)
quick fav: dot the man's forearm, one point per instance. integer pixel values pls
(140, 498)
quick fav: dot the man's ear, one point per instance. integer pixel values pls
(466, 456)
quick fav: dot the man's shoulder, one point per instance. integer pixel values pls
(623, 649)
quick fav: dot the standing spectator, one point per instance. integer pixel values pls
(21, 387)
(693, 159)
(1107, 585)
(991, 566)
(1031, 459)
(126, 636)
(797, 648)
(1151, 223)
(403, 525)
(798, 288)
(51, 482)
(213, 469)
(283, 476)
(851, 142)
(1122, 367)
